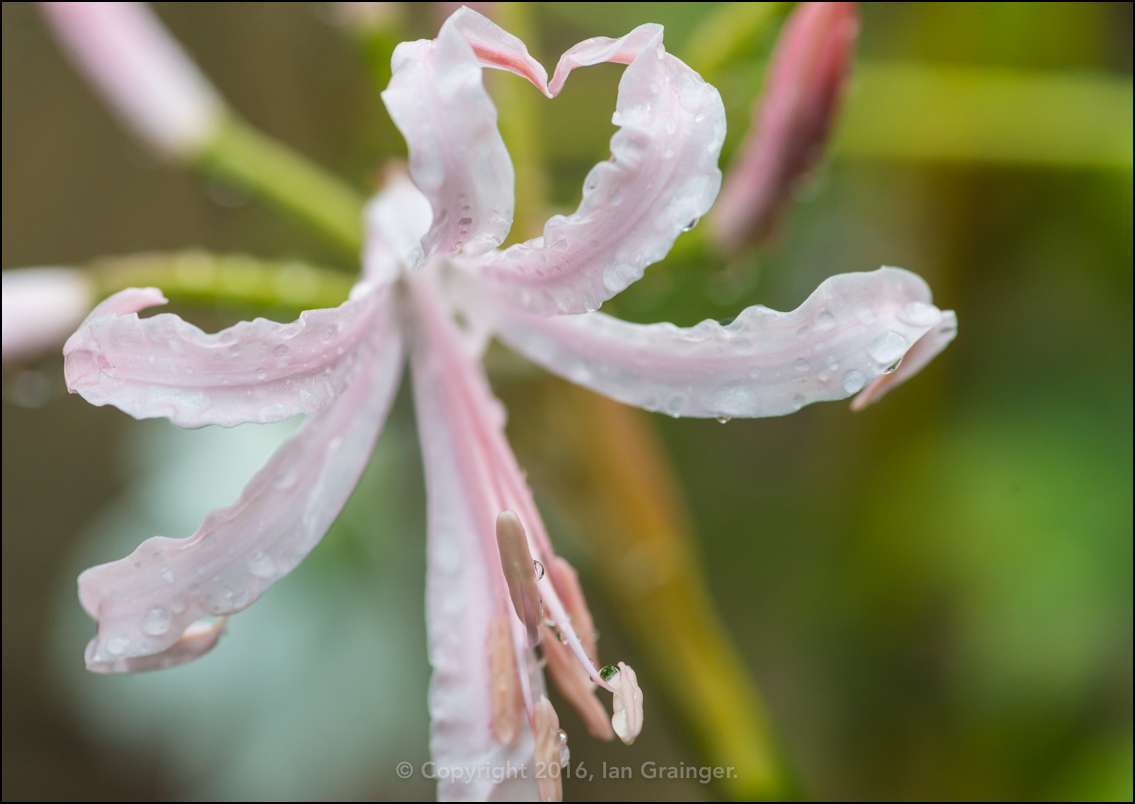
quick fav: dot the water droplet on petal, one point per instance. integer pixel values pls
(825, 320)
(887, 348)
(801, 364)
(853, 381)
(281, 355)
(565, 752)
(116, 646)
(536, 565)
(156, 621)
(286, 480)
(261, 565)
(889, 369)
(167, 575)
(919, 314)
(609, 672)
(723, 419)
(755, 372)
(691, 225)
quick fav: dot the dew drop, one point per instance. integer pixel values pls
(536, 565)
(919, 314)
(802, 332)
(116, 646)
(609, 672)
(152, 358)
(801, 364)
(691, 225)
(156, 621)
(825, 320)
(260, 375)
(853, 381)
(178, 606)
(167, 575)
(286, 480)
(723, 419)
(281, 355)
(887, 348)
(889, 369)
(234, 350)
(261, 565)
(565, 752)
(865, 315)
(330, 333)
(755, 372)
(674, 405)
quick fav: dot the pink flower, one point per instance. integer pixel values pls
(495, 588)
(41, 307)
(805, 84)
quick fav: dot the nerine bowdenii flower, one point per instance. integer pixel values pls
(435, 285)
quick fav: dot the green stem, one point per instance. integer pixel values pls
(234, 280)
(247, 158)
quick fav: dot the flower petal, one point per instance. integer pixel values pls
(853, 328)
(42, 306)
(464, 584)
(396, 221)
(144, 603)
(126, 52)
(497, 48)
(457, 157)
(255, 371)
(927, 348)
(661, 178)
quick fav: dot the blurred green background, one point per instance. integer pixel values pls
(934, 595)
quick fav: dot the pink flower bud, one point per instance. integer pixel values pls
(803, 90)
(143, 73)
(42, 306)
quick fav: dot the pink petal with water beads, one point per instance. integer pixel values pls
(199, 638)
(141, 70)
(465, 589)
(927, 348)
(853, 328)
(145, 603)
(457, 156)
(803, 92)
(497, 48)
(256, 371)
(661, 178)
(42, 306)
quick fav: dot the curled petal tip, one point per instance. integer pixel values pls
(197, 640)
(627, 704)
(924, 350)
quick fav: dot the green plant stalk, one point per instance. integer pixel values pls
(245, 157)
(234, 280)
(518, 117)
(727, 34)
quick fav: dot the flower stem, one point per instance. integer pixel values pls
(234, 280)
(250, 159)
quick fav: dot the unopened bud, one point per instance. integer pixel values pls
(42, 307)
(803, 91)
(125, 51)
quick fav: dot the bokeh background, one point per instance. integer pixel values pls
(934, 595)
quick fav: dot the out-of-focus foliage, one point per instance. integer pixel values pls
(935, 594)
